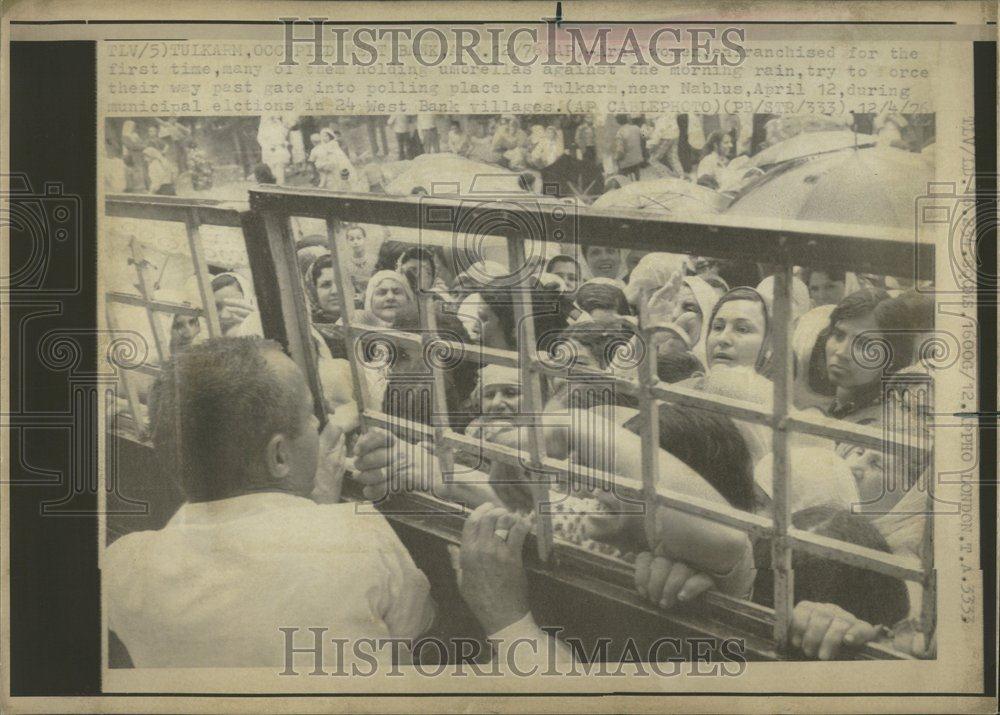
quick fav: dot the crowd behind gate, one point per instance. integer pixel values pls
(712, 327)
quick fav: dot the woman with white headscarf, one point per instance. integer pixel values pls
(236, 305)
(387, 295)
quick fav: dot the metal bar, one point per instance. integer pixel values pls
(201, 274)
(841, 431)
(804, 243)
(358, 381)
(160, 306)
(493, 356)
(650, 410)
(298, 329)
(853, 555)
(165, 208)
(138, 260)
(781, 558)
(531, 397)
(928, 605)
(131, 393)
(439, 398)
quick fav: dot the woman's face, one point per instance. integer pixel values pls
(420, 272)
(501, 399)
(687, 313)
(326, 291)
(736, 335)
(824, 290)
(725, 146)
(490, 330)
(844, 343)
(388, 299)
(604, 262)
(229, 316)
(183, 331)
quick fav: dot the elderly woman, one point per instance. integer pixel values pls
(387, 295)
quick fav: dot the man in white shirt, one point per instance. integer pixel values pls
(249, 553)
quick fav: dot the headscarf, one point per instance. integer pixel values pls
(816, 476)
(251, 325)
(367, 315)
(801, 302)
(808, 331)
(651, 273)
(706, 298)
(764, 362)
(322, 319)
(602, 293)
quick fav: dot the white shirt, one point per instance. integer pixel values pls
(213, 587)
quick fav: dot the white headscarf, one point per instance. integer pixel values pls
(817, 476)
(801, 302)
(251, 325)
(374, 282)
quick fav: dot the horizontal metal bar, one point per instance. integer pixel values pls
(169, 208)
(161, 306)
(853, 555)
(842, 431)
(492, 356)
(737, 409)
(875, 249)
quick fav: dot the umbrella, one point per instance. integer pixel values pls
(808, 144)
(665, 196)
(449, 174)
(877, 186)
(573, 177)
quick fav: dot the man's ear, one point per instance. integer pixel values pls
(276, 457)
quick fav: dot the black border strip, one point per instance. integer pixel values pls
(985, 78)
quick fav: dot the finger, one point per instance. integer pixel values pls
(658, 571)
(470, 529)
(698, 584)
(860, 633)
(374, 439)
(678, 574)
(506, 521)
(800, 620)
(374, 492)
(819, 622)
(830, 644)
(642, 563)
(488, 526)
(370, 477)
(473, 525)
(518, 533)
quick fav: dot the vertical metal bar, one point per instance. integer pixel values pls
(347, 312)
(439, 403)
(293, 305)
(138, 260)
(191, 225)
(650, 409)
(781, 550)
(531, 398)
(124, 378)
(928, 606)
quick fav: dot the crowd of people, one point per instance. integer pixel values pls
(711, 323)
(707, 323)
(151, 161)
